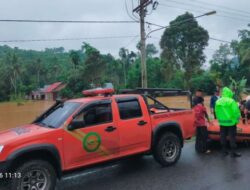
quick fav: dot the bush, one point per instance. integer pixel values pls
(204, 82)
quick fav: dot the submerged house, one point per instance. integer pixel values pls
(49, 92)
(37, 94)
(52, 91)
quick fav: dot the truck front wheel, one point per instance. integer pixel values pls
(34, 175)
(167, 151)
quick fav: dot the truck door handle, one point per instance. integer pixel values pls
(110, 129)
(142, 123)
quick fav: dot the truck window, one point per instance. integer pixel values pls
(129, 109)
(58, 116)
(96, 114)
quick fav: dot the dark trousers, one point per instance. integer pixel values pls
(231, 132)
(201, 138)
(215, 115)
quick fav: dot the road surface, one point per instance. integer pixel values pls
(192, 172)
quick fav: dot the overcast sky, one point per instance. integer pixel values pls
(219, 26)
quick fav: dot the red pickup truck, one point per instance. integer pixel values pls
(81, 132)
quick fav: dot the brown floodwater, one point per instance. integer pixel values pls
(12, 115)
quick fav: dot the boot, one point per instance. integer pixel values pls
(235, 154)
(225, 153)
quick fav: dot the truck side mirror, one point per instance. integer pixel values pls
(76, 125)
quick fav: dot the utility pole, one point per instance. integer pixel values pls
(141, 10)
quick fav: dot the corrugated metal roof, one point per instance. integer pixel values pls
(52, 87)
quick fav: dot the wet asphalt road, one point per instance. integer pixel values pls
(192, 172)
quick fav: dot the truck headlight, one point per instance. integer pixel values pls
(1, 148)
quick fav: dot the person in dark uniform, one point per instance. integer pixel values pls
(213, 100)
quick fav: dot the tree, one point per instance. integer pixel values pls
(183, 43)
(134, 77)
(38, 70)
(238, 88)
(151, 50)
(222, 65)
(15, 71)
(223, 55)
(75, 58)
(94, 66)
(4, 82)
(205, 82)
(114, 71)
(126, 59)
(232, 60)
(242, 47)
(155, 75)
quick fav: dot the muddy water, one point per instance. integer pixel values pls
(12, 115)
(181, 102)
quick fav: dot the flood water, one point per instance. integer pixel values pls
(12, 115)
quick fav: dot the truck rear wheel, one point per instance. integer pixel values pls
(167, 151)
(34, 175)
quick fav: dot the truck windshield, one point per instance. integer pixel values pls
(58, 115)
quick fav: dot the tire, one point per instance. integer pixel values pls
(201, 141)
(171, 143)
(38, 174)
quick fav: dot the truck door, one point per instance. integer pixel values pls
(188, 123)
(134, 125)
(96, 141)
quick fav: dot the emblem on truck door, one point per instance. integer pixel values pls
(91, 142)
(81, 136)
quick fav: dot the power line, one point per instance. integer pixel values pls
(151, 11)
(198, 11)
(162, 27)
(219, 40)
(225, 10)
(224, 41)
(210, 38)
(126, 7)
(180, 22)
(223, 7)
(132, 2)
(185, 9)
(223, 13)
(182, 3)
(67, 39)
(155, 38)
(234, 18)
(131, 41)
(153, 24)
(70, 21)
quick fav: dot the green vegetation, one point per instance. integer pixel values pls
(239, 88)
(183, 44)
(180, 64)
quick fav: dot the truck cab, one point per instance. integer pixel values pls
(80, 132)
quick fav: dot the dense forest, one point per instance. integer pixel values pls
(178, 64)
